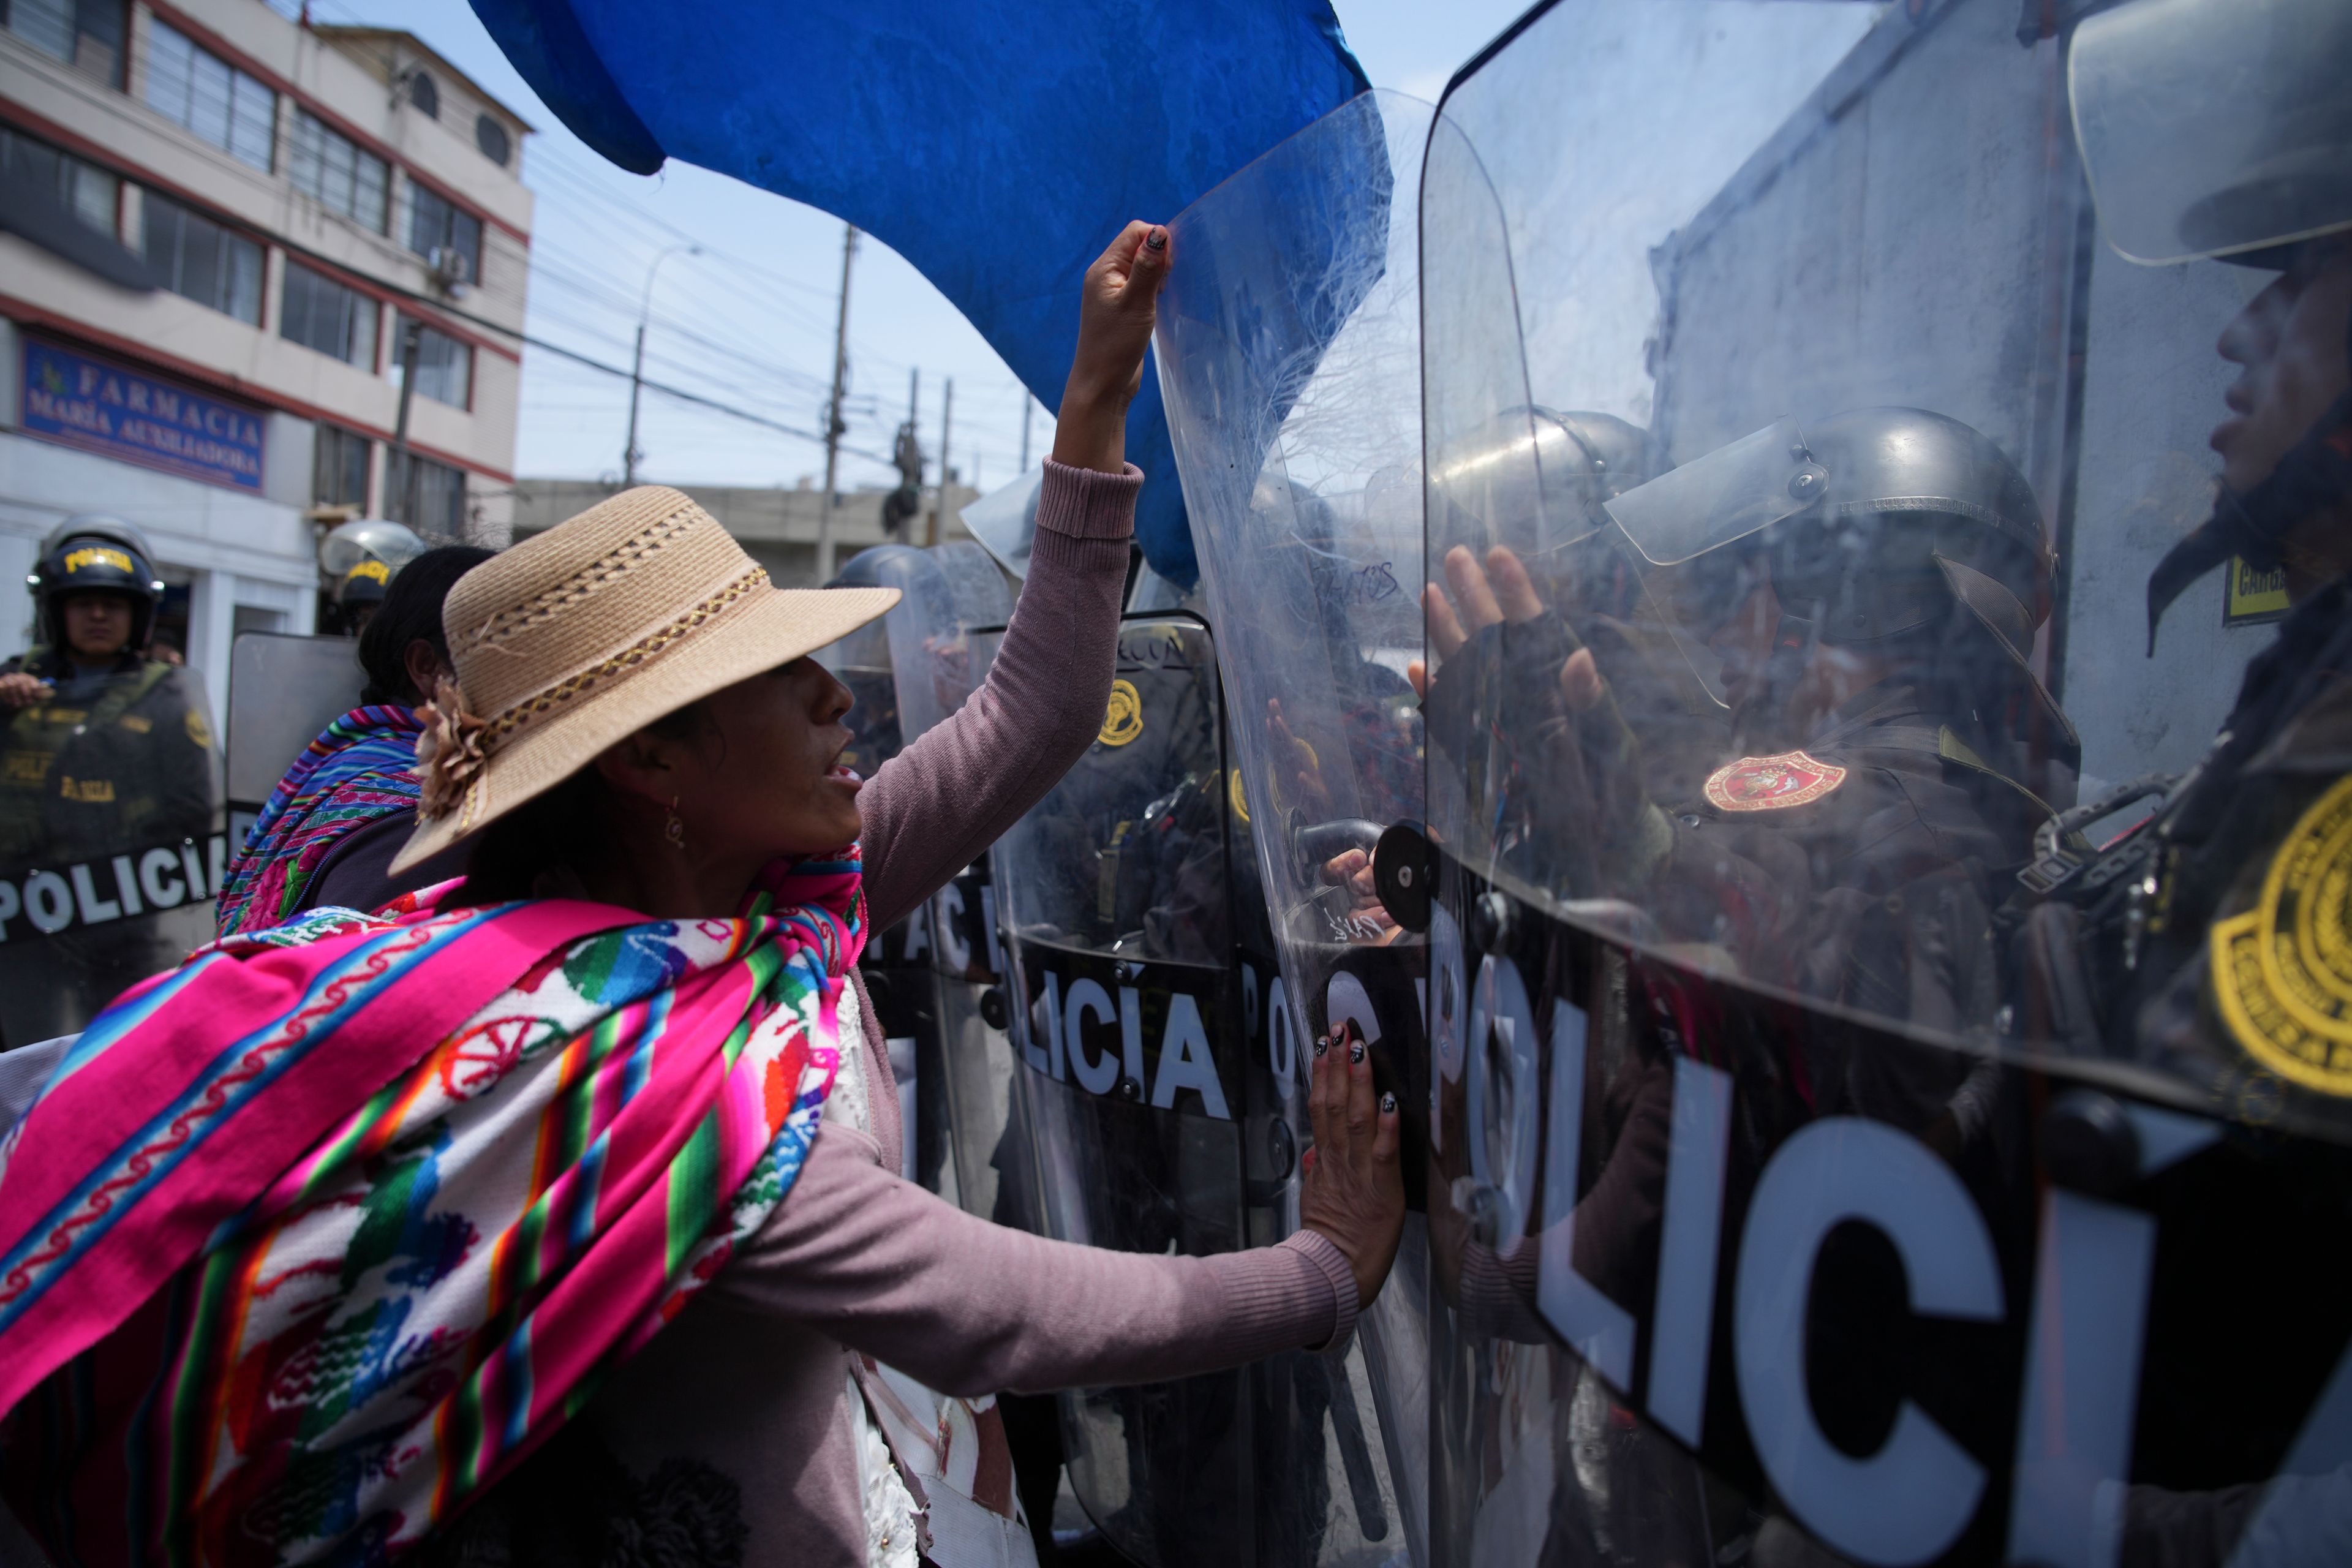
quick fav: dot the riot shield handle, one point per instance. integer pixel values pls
(1404, 872)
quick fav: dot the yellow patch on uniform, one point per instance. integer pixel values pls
(1772, 784)
(1123, 721)
(1234, 793)
(27, 767)
(137, 724)
(373, 571)
(2282, 970)
(89, 791)
(200, 733)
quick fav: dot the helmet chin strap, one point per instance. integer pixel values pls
(2315, 474)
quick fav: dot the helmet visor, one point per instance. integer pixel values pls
(2215, 127)
(1723, 497)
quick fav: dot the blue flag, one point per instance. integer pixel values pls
(998, 145)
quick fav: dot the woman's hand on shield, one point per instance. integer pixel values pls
(1353, 1193)
(1118, 306)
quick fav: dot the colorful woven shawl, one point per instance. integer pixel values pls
(313, 1239)
(360, 770)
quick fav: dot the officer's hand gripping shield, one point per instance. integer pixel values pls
(1775, 1213)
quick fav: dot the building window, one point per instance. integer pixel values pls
(323, 314)
(429, 497)
(195, 256)
(343, 175)
(434, 223)
(195, 88)
(425, 94)
(339, 468)
(91, 192)
(85, 34)
(492, 139)
(445, 367)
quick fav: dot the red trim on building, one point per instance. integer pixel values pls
(26, 313)
(246, 63)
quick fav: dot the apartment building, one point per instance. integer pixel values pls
(255, 277)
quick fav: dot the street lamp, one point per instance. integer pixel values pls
(629, 454)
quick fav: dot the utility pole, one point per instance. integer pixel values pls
(835, 425)
(403, 471)
(629, 454)
(1028, 408)
(947, 423)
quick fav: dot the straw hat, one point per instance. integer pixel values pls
(581, 637)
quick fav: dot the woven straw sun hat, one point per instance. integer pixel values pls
(580, 636)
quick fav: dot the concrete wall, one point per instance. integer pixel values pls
(1918, 233)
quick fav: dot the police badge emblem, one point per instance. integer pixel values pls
(1123, 721)
(2282, 970)
(1772, 784)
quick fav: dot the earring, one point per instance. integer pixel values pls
(674, 829)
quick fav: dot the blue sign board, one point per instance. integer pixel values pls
(143, 419)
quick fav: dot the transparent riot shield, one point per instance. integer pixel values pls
(1883, 1101)
(1154, 1122)
(282, 691)
(990, 1153)
(906, 672)
(1289, 361)
(111, 841)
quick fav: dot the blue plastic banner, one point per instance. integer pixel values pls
(105, 408)
(998, 145)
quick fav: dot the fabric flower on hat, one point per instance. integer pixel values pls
(449, 754)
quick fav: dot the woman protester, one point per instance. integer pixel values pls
(312, 1240)
(328, 831)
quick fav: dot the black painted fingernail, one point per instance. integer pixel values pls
(1322, 1044)
(1388, 1104)
(1356, 1052)
(1156, 240)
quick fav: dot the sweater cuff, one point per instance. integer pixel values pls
(1087, 504)
(1329, 1262)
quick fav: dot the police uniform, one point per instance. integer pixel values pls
(120, 761)
(2214, 942)
(109, 763)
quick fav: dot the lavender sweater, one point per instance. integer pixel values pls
(751, 1378)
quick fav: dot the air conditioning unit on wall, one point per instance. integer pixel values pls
(453, 272)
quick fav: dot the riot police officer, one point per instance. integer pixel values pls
(2203, 943)
(360, 559)
(107, 753)
(1889, 751)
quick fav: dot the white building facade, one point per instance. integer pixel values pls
(228, 240)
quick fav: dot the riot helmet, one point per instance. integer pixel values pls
(96, 555)
(360, 559)
(2216, 128)
(1875, 526)
(1542, 478)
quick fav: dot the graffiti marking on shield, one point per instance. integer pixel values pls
(1772, 784)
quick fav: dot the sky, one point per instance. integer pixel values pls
(749, 320)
